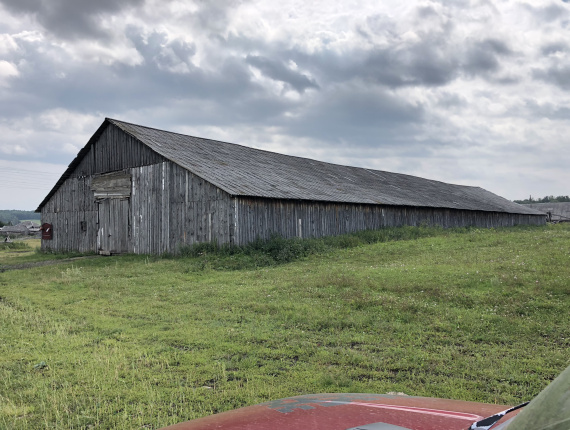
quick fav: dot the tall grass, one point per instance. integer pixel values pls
(278, 250)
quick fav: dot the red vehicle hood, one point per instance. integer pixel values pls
(346, 411)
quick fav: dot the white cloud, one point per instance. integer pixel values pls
(68, 122)
(32, 36)
(7, 70)
(50, 136)
(89, 51)
(7, 44)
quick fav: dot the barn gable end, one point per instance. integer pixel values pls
(164, 208)
(141, 190)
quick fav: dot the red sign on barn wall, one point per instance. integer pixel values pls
(47, 231)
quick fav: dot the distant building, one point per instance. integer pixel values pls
(33, 227)
(15, 230)
(142, 190)
(555, 212)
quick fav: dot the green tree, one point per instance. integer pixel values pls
(15, 216)
(547, 199)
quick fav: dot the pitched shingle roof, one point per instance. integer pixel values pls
(244, 171)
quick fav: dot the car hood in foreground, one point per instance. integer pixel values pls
(348, 411)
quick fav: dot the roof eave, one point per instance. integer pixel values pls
(74, 163)
(377, 203)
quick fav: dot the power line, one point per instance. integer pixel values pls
(2, 169)
(27, 175)
(27, 182)
(28, 178)
(16, 186)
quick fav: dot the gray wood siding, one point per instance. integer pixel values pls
(260, 218)
(171, 207)
(73, 213)
(115, 150)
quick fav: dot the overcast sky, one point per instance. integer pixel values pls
(467, 92)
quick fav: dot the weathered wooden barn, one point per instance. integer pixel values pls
(141, 190)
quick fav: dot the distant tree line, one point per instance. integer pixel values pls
(14, 217)
(547, 199)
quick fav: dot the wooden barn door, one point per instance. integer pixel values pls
(113, 232)
(112, 192)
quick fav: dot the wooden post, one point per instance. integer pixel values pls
(209, 226)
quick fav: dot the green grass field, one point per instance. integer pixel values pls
(138, 342)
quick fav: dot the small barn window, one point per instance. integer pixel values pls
(83, 225)
(115, 185)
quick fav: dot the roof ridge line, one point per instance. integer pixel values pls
(114, 121)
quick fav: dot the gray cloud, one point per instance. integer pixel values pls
(422, 64)
(213, 15)
(356, 114)
(482, 57)
(497, 46)
(557, 74)
(49, 77)
(278, 71)
(554, 48)
(426, 11)
(447, 100)
(430, 61)
(391, 67)
(69, 19)
(546, 110)
(158, 50)
(433, 59)
(87, 19)
(548, 13)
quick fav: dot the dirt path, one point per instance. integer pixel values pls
(43, 263)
